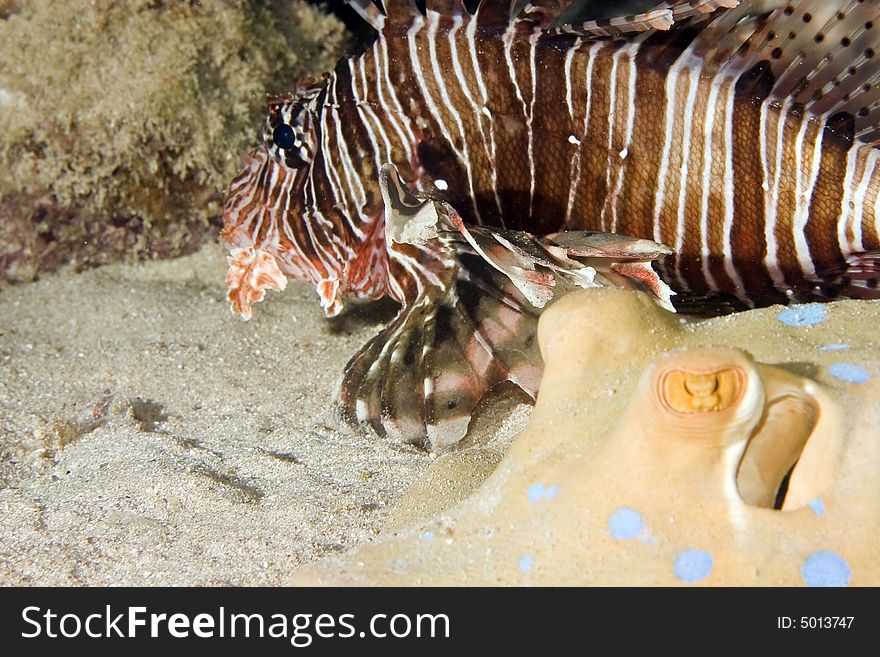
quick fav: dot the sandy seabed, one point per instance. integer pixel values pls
(148, 437)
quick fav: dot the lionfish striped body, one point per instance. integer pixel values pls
(743, 139)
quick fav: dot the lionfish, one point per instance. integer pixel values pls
(470, 158)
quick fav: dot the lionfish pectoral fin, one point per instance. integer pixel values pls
(471, 300)
(578, 258)
(463, 329)
(421, 378)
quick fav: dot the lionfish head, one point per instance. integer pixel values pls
(272, 222)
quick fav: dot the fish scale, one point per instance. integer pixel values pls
(741, 135)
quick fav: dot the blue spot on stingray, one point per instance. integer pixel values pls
(535, 492)
(848, 372)
(803, 315)
(818, 506)
(625, 523)
(693, 565)
(825, 568)
(426, 536)
(526, 563)
(834, 346)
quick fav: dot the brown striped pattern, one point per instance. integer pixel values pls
(520, 129)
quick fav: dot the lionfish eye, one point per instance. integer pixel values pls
(283, 136)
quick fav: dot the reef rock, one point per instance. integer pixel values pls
(122, 122)
(734, 451)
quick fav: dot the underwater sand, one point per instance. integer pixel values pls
(148, 437)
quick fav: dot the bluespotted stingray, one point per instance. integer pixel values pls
(655, 459)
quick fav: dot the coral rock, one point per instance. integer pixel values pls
(118, 138)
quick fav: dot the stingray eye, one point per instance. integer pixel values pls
(283, 136)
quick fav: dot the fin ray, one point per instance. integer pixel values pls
(858, 278)
(469, 319)
(661, 17)
(823, 56)
(369, 12)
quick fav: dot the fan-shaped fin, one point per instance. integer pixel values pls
(471, 303)
(823, 57)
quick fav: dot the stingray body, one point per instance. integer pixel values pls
(741, 135)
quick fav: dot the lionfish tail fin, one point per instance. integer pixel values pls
(471, 302)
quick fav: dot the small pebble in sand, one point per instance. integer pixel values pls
(834, 346)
